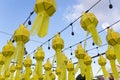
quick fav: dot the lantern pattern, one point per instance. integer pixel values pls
(89, 23)
(44, 9)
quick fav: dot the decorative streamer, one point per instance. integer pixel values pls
(102, 63)
(47, 67)
(39, 56)
(112, 57)
(89, 23)
(80, 54)
(87, 62)
(27, 64)
(21, 36)
(7, 51)
(113, 39)
(12, 70)
(70, 68)
(44, 9)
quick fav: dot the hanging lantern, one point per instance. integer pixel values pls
(47, 67)
(112, 57)
(39, 56)
(80, 54)
(58, 45)
(113, 39)
(70, 68)
(8, 51)
(58, 72)
(21, 36)
(27, 64)
(2, 60)
(87, 62)
(102, 63)
(12, 70)
(89, 23)
(44, 9)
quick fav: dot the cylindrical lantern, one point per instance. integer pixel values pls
(44, 9)
(39, 56)
(112, 57)
(70, 68)
(113, 39)
(27, 64)
(80, 54)
(21, 36)
(8, 51)
(87, 62)
(47, 67)
(89, 23)
(102, 63)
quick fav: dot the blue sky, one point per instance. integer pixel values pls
(14, 12)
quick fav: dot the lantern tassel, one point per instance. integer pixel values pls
(12, 76)
(114, 69)
(76, 68)
(41, 24)
(17, 77)
(117, 52)
(63, 75)
(27, 73)
(82, 67)
(95, 35)
(88, 72)
(39, 68)
(106, 74)
(58, 57)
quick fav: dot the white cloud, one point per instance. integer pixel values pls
(105, 15)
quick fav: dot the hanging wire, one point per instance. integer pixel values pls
(110, 4)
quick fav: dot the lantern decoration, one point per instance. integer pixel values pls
(87, 62)
(89, 23)
(2, 77)
(18, 69)
(23, 77)
(21, 36)
(70, 68)
(12, 70)
(64, 63)
(58, 72)
(58, 45)
(27, 64)
(47, 67)
(2, 60)
(113, 39)
(8, 51)
(34, 77)
(80, 54)
(44, 9)
(7, 75)
(112, 57)
(39, 56)
(102, 63)
(52, 76)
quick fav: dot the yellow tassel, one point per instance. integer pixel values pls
(117, 52)
(106, 74)
(12, 76)
(76, 68)
(88, 72)
(114, 69)
(95, 35)
(58, 57)
(27, 73)
(39, 68)
(17, 77)
(82, 66)
(70, 75)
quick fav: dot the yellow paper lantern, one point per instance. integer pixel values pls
(80, 54)
(12, 70)
(102, 63)
(27, 64)
(44, 9)
(89, 23)
(47, 67)
(112, 57)
(21, 36)
(39, 56)
(8, 51)
(70, 68)
(2, 60)
(113, 39)
(87, 62)
(58, 45)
